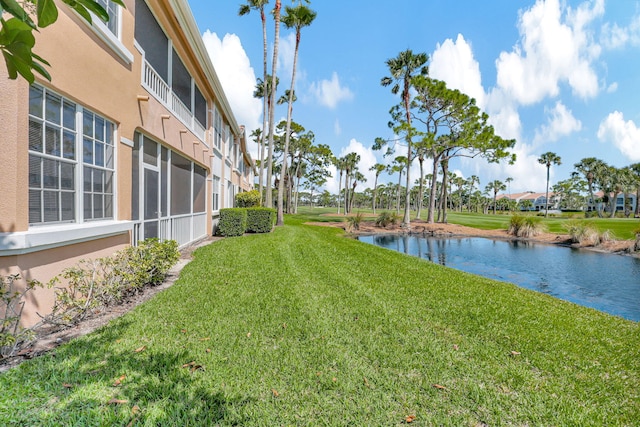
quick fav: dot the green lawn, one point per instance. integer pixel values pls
(306, 327)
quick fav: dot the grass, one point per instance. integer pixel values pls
(305, 327)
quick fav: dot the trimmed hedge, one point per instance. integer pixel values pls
(233, 221)
(248, 199)
(260, 220)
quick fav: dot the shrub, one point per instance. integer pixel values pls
(248, 199)
(107, 281)
(12, 335)
(260, 220)
(525, 225)
(233, 222)
(386, 218)
(353, 222)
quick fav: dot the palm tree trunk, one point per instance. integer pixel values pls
(265, 101)
(421, 187)
(272, 96)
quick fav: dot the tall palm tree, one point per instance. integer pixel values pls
(350, 166)
(495, 186)
(272, 100)
(340, 164)
(402, 70)
(508, 181)
(296, 17)
(472, 181)
(548, 159)
(378, 168)
(263, 91)
(399, 165)
(244, 10)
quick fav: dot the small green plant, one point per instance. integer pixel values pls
(386, 218)
(12, 334)
(248, 199)
(353, 222)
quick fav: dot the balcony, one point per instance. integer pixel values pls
(160, 90)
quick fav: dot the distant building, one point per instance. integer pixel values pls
(538, 200)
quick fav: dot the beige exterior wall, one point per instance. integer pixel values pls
(89, 72)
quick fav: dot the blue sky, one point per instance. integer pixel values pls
(560, 76)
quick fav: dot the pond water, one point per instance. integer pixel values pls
(606, 282)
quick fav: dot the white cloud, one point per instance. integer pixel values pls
(329, 92)
(624, 135)
(613, 87)
(560, 122)
(286, 51)
(554, 48)
(237, 78)
(454, 63)
(614, 36)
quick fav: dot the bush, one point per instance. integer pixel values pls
(248, 199)
(107, 281)
(260, 220)
(233, 222)
(353, 222)
(386, 218)
(525, 225)
(12, 335)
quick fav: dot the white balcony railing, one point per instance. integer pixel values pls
(152, 82)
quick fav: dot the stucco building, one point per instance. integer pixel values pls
(132, 138)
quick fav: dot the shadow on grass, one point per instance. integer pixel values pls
(101, 379)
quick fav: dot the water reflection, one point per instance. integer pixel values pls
(607, 282)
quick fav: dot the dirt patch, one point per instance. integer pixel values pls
(50, 337)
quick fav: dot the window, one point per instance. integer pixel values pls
(152, 39)
(217, 130)
(215, 200)
(55, 167)
(112, 10)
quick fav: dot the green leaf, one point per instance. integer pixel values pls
(94, 7)
(14, 8)
(47, 13)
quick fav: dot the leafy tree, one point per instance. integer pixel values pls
(402, 70)
(495, 187)
(16, 33)
(296, 17)
(591, 168)
(635, 170)
(454, 127)
(548, 159)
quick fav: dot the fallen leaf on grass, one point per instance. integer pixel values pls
(334, 379)
(410, 418)
(117, 382)
(275, 392)
(184, 331)
(208, 350)
(193, 366)
(248, 334)
(115, 401)
(366, 383)
(67, 385)
(439, 387)
(140, 349)
(515, 353)
(205, 339)
(455, 347)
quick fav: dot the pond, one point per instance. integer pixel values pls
(606, 282)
